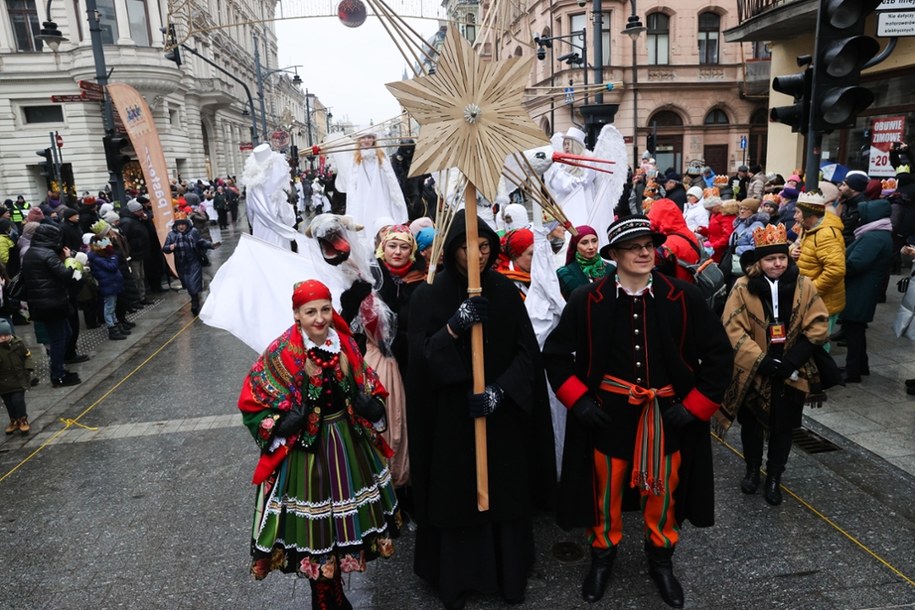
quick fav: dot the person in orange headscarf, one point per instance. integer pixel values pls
(325, 500)
(518, 246)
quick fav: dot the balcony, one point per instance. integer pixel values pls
(755, 79)
(765, 20)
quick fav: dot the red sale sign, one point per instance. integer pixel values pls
(884, 131)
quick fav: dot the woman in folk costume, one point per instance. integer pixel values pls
(775, 320)
(573, 187)
(458, 547)
(386, 343)
(583, 262)
(325, 502)
(518, 247)
(371, 186)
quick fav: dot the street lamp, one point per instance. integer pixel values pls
(49, 33)
(634, 29)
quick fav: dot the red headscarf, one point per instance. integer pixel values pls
(517, 241)
(573, 243)
(313, 290)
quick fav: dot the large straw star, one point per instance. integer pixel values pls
(470, 114)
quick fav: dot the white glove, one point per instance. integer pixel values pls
(77, 275)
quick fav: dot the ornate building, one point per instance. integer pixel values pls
(700, 99)
(202, 111)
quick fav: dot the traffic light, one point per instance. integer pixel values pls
(47, 166)
(171, 43)
(650, 144)
(114, 155)
(841, 52)
(797, 115)
(293, 156)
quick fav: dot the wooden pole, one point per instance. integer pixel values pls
(476, 343)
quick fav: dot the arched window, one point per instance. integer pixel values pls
(658, 39)
(716, 117)
(709, 26)
(666, 118)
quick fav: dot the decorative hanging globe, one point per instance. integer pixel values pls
(351, 13)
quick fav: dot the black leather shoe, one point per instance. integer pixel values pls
(910, 383)
(661, 570)
(750, 482)
(773, 489)
(595, 583)
(76, 359)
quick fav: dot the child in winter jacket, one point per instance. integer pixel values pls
(15, 376)
(106, 271)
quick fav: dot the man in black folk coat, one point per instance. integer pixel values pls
(642, 363)
(459, 548)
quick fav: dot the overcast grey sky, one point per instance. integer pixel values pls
(347, 67)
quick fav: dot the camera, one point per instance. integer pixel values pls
(541, 53)
(582, 3)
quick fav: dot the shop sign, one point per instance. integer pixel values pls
(884, 131)
(896, 24)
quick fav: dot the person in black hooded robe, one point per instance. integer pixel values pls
(458, 548)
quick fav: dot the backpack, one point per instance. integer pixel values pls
(706, 274)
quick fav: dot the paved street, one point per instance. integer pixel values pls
(134, 492)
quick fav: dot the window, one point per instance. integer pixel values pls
(761, 50)
(658, 39)
(716, 117)
(605, 38)
(470, 28)
(709, 24)
(666, 118)
(107, 21)
(79, 22)
(43, 114)
(24, 20)
(139, 25)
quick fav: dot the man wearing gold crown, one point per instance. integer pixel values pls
(642, 363)
(775, 320)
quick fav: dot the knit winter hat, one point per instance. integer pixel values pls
(66, 213)
(34, 215)
(856, 181)
(111, 217)
(105, 208)
(830, 191)
(5, 328)
(134, 206)
(424, 238)
(100, 228)
(751, 204)
(695, 191)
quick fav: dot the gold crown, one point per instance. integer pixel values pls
(711, 192)
(770, 235)
(772, 197)
(720, 180)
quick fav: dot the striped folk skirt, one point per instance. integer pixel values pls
(326, 511)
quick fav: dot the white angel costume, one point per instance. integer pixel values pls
(572, 186)
(266, 176)
(371, 187)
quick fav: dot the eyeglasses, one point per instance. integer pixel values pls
(637, 248)
(484, 248)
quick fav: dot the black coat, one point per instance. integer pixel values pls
(71, 235)
(519, 435)
(88, 216)
(137, 235)
(47, 280)
(698, 358)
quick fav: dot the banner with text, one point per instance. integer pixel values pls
(884, 131)
(141, 129)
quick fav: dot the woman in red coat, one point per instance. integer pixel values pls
(720, 224)
(681, 243)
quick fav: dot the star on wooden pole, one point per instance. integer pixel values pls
(470, 114)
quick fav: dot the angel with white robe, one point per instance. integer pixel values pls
(370, 184)
(266, 178)
(572, 185)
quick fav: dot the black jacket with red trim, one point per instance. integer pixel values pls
(699, 362)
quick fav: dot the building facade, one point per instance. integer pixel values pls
(205, 117)
(698, 97)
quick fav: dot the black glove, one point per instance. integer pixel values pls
(590, 414)
(369, 407)
(352, 297)
(471, 311)
(290, 422)
(481, 405)
(676, 416)
(769, 367)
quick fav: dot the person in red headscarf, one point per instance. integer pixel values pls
(583, 262)
(325, 502)
(518, 246)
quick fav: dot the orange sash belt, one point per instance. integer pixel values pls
(648, 465)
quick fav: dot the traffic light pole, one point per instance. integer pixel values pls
(101, 76)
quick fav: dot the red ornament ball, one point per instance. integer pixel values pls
(352, 13)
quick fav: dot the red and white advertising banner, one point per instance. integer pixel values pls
(141, 129)
(884, 131)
